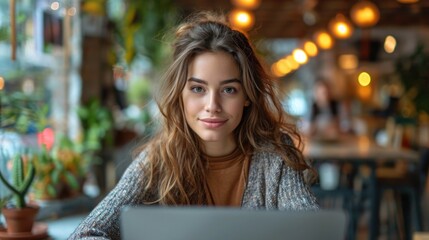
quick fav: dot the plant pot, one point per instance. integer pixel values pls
(20, 220)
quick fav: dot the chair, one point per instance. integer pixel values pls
(342, 196)
(406, 184)
(407, 190)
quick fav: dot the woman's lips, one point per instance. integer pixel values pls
(213, 123)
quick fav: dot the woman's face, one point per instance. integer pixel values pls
(214, 97)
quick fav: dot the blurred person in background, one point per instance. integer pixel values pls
(324, 120)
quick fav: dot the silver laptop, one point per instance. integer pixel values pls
(209, 223)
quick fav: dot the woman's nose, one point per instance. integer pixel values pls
(213, 105)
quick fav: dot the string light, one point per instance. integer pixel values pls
(364, 79)
(310, 48)
(341, 27)
(241, 19)
(293, 64)
(300, 56)
(324, 40)
(365, 14)
(348, 61)
(389, 44)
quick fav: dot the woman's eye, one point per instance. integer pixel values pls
(197, 89)
(229, 90)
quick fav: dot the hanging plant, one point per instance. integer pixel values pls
(140, 30)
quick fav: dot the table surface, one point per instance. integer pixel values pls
(360, 150)
(357, 149)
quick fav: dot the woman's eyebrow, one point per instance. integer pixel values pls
(193, 79)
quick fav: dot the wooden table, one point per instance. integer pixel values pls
(361, 151)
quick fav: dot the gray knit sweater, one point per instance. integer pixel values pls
(271, 184)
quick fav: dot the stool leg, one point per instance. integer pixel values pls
(400, 215)
(406, 210)
(417, 211)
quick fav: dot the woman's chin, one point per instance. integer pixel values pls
(213, 138)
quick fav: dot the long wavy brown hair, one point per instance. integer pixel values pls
(173, 156)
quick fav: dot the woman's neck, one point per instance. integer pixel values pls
(218, 149)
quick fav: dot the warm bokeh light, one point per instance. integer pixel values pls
(292, 63)
(300, 56)
(389, 44)
(71, 11)
(323, 40)
(341, 27)
(364, 79)
(310, 48)
(1, 83)
(55, 6)
(247, 4)
(364, 92)
(364, 143)
(275, 70)
(365, 13)
(283, 66)
(348, 61)
(241, 19)
(280, 68)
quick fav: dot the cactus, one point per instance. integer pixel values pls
(21, 182)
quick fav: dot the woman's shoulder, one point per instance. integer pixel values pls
(268, 153)
(266, 158)
(270, 146)
(141, 157)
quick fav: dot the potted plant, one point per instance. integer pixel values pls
(20, 215)
(60, 171)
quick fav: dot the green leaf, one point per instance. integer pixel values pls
(51, 190)
(56, 176)
(71, 180)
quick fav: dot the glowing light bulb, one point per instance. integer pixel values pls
(341, 27)
(324, 40)
(241, 19)
(364, 79)
(365, 13)
(389, 44)
(300, 56)
(310, 48)
(348, 61)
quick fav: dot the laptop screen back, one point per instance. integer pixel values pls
(209, 223)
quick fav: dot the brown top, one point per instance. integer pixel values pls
(226, 179)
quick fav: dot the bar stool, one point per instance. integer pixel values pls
(407, 190)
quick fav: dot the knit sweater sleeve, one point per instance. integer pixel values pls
(294, 193)
(103, 221)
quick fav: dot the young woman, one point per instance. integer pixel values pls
(224, 139)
